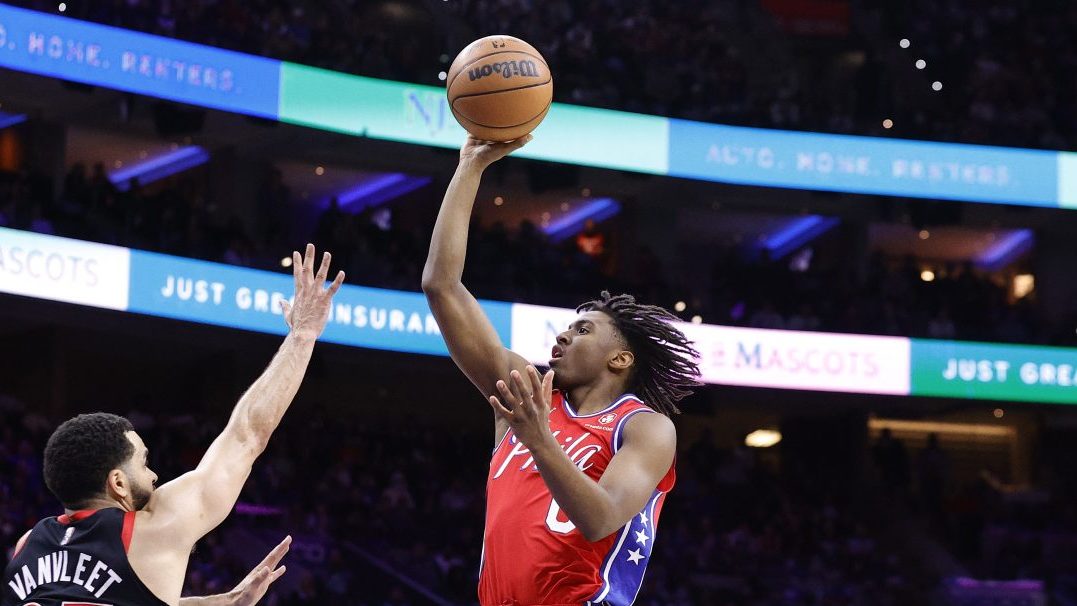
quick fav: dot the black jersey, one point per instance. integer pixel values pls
(77, 560)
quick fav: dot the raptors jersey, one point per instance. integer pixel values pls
(77, 560)
(532, 554)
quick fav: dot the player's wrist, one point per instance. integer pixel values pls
(472, 165)
(303, 336)
(545, 445)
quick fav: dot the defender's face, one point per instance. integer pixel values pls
(140, 476)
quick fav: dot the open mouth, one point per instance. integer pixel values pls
(556, 352)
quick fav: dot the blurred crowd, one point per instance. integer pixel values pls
(743, 526)
(1006, 67)
(735, 531)
(832, 292)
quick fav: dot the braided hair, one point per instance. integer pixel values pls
(666, 367)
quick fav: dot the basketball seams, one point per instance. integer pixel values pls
(464, 67)
(460, 115)
(481, 60)
(503, 90)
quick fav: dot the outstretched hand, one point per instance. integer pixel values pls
(484, 153)
(257, 582)
(526, 405)
(308, 312)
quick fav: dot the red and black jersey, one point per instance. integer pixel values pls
(77, 560)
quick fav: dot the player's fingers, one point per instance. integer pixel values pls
(518, 143)
(500, 409)
(523, 392)
(534, 379)
(297, 266)
(335, 286)
(323, 269)
(308, 259)
(276, 574)
(510, 398)
(547, 386)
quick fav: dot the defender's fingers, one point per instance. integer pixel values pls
(335, 286)
(278, 573)
(286, 310)
(297, 266)
(274, 556)
(308, 259)
(323, 269)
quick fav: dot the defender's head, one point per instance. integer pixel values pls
(636, 343)
(95, 457)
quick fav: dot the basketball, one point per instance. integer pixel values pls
(499, 88)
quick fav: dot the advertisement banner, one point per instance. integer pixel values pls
(61, 269)
(1067, 179)
(59, 47)
(787, 359)
(99, 275)
(754, 357)
(79, 51)
(994, 372)
(413, 113)
(237, 297)
(867, 165)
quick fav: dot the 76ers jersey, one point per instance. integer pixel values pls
(532, 554)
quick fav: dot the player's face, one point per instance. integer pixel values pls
(139, 474)
(584, 351)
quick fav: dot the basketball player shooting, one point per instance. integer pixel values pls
(583, 456)
(121, 542)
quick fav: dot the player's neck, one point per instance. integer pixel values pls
(94, 505)
(589, 399)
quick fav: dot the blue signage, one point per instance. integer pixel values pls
(868, 165)
(59, 47)
(237, 297)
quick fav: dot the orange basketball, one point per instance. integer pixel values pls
(499, 88)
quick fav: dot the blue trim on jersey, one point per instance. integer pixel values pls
(616, 403)
(617, 437)
(623, 569)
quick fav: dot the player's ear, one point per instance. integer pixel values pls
(622, 360)
(117, 484)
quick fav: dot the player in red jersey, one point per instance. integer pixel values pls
(578, 474)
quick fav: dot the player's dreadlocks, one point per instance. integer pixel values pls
(666, 369)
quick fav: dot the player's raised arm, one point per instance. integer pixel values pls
(198, 501)
(472, 341)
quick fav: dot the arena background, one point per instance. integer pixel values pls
(873, 254)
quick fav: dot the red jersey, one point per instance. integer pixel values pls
(532, 554)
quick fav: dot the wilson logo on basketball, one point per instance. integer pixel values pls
(607, 419)
(507, 69)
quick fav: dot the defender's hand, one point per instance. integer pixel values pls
(257, 582)
(309, 310)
